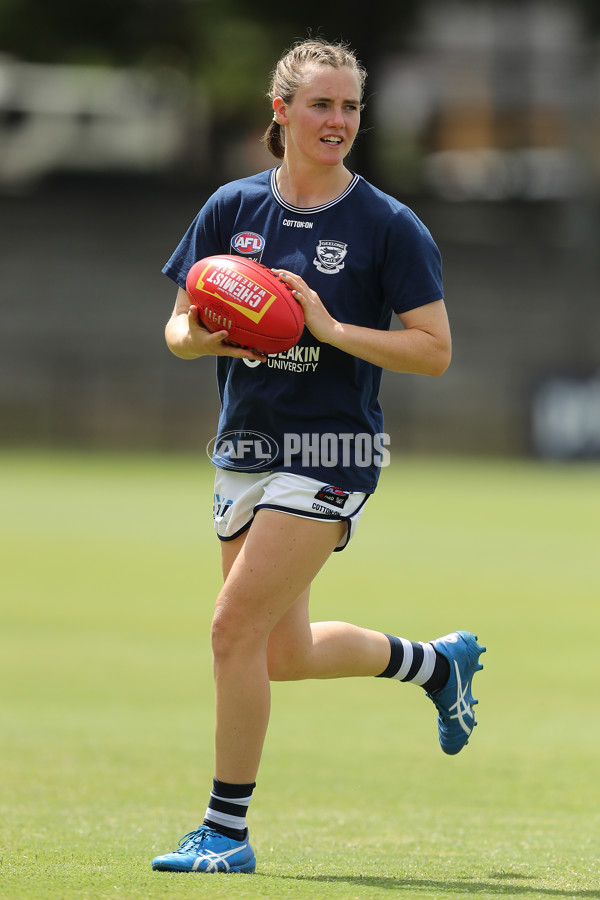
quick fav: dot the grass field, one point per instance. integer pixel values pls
(108, 573)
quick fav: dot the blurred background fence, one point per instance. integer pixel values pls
(117, 123)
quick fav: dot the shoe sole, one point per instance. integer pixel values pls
(247, 868)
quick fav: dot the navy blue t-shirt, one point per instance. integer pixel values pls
(314, 409)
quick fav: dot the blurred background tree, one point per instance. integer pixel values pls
(228, 45)
(118, 118)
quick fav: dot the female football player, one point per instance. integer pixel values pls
(353, 257)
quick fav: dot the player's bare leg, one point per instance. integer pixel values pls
(299, 648)
(262, 632)
(274, 566)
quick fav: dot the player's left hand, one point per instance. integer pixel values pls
(318, 321)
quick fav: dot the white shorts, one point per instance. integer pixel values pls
(239, 495)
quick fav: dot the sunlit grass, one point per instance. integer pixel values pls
(109, 570)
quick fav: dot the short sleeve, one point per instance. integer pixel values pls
(412, 268)
(203, 238)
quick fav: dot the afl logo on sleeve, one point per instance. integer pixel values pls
(248, 244)
(330, 256)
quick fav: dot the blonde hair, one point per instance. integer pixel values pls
(288, 75)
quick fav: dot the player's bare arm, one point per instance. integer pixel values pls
(423, 347)
(187, 338)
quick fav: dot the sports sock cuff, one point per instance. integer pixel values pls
(232, 791)
(427, 666)
(396, 657)
(227, 808)
(417, 663)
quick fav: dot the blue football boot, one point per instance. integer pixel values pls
(455, 702)
(205, 850)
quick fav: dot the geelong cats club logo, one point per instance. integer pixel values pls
(330, 256)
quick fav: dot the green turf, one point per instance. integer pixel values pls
(108, 572)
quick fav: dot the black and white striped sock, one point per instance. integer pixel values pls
(227, 807)
(418, 663)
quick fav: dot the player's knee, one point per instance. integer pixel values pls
(232, 633)
(225, 637)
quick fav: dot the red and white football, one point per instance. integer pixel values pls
(246, 299)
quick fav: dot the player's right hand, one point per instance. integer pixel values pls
(206, 342)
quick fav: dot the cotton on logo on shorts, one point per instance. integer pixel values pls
(244, 450)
